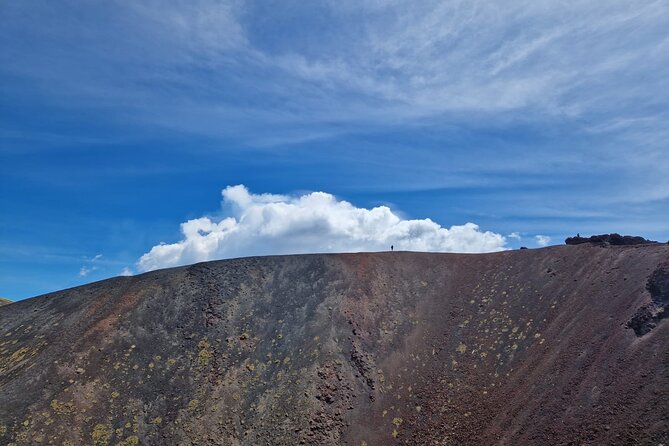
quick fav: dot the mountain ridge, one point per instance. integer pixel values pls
(514, 347)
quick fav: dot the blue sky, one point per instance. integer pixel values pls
(119, 121)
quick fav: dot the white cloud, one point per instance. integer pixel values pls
(83, 272)
(126, 272)
(514, 235)
(433, 56)
(263, 224)
(543, 240)
(400, 59)
(203, 25)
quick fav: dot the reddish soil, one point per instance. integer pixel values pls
(565, 345)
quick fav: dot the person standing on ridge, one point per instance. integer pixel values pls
(391, 248)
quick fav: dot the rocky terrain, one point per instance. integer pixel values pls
(565, 345)
(609, 239)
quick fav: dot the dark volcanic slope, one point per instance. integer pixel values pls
(562, 346)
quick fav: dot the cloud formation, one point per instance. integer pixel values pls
(543, 240)
(263, 224)
(378, 61)
(328, 69)
(85, 270)
(126, 272)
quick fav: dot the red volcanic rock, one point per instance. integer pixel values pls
(559, 346)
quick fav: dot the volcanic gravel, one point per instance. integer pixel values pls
(564, 345)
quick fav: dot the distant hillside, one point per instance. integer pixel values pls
(566, 345)
(4, 301)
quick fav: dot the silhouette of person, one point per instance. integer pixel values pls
(392, 247)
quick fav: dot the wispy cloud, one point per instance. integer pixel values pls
(417, 60)
(204, 68)
(83, 272)
(90, 266)
(542, 240)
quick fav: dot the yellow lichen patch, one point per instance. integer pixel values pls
(21, 437)
(157, 420)
(395, 433)
(62, 408)
(19, 354)
(115, 394)
(204, 353)
(192, 404)
(397, 421)
(130, 441)
(462, 348)
(101, 434)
